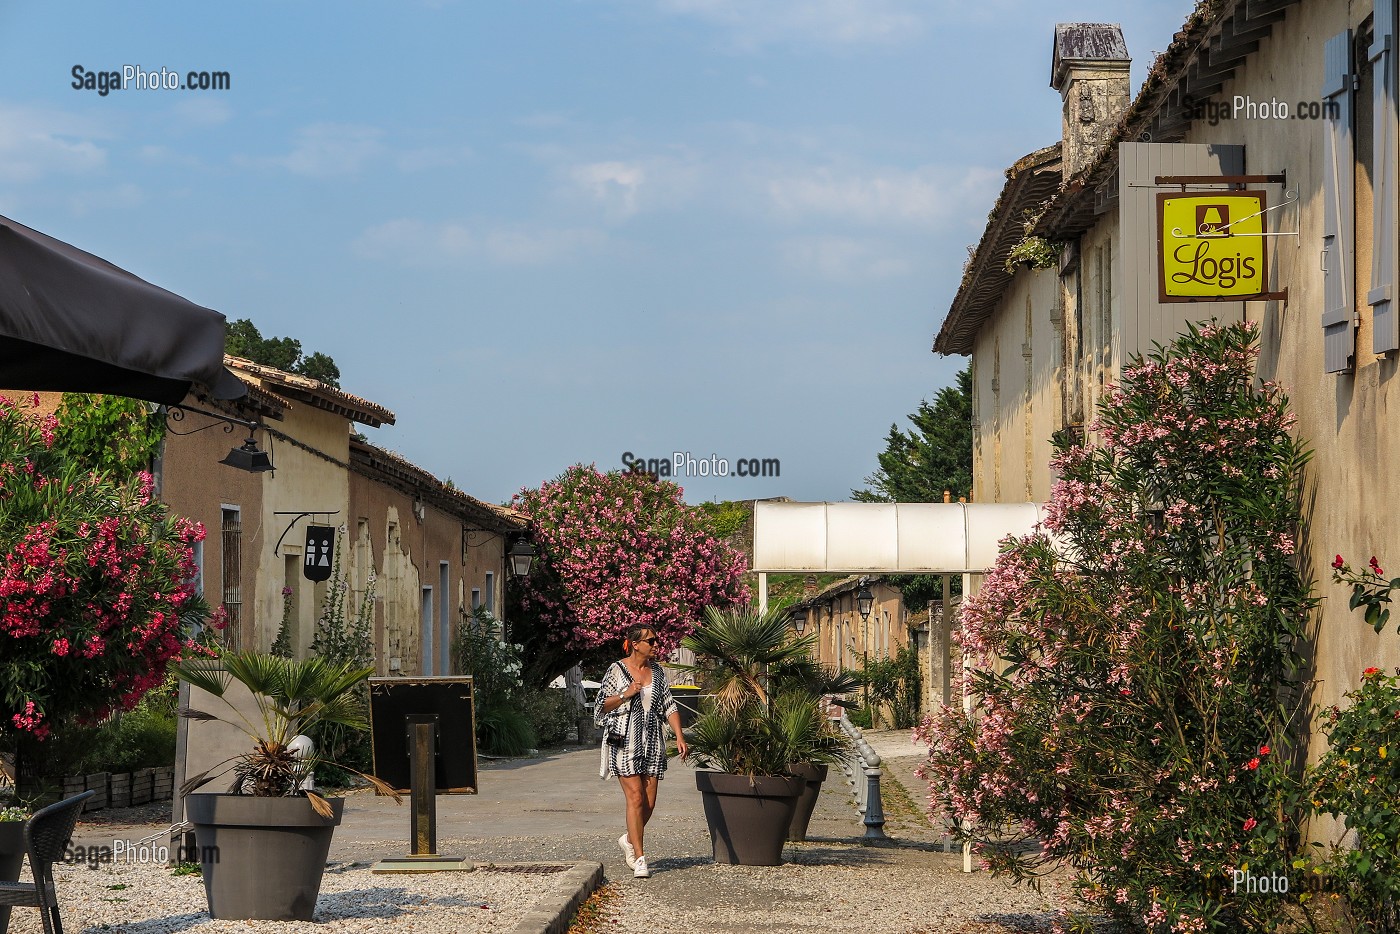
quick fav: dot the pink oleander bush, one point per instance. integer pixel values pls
(1135, 674)
(617, 549)
(97, 584)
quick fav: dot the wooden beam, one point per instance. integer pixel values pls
(1255, 9)
(1238, 32)
(1231, 57)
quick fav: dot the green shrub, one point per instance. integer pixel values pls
(142, 738)
(504, 731)
(860, 717)
(552, 714)
(894, 683)
(1358, 779)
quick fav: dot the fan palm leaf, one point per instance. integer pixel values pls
(292, 696)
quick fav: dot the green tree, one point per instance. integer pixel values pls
(936, 455)
(113, 435)
(918, 465)
(243, 339)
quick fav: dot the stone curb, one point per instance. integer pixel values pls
(554, 912)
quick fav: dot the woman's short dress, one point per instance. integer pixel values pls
(641, 721)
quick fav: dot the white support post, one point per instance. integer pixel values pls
(967, 708)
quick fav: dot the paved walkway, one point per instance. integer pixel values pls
(553, 808)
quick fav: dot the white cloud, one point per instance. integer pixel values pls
(123, 197)
(843, 259)
(165, 156)
(614, 184)
(421, 243)
(332, 149)
(638, 185)
(202, 110)
(755, 23)
(342, 149)
(922, 196)
(432, 157)
(35, 143)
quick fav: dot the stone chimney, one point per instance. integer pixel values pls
(809, 587)
(1090, 70)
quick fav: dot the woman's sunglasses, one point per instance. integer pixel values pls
(651, 641)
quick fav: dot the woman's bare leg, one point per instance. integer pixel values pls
(649, 785)
(637, 811)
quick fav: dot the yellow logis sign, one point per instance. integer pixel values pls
(1210, 246)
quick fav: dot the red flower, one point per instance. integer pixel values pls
(1264, 750)
(1250, 825)
(1338, 563)
(1376, 567)
(1252, 764)
(1370, 672)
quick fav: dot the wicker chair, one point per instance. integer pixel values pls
(46, 835)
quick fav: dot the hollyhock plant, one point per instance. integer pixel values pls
(1358, 779)
(1134, 668)
(97, 584)
(617, 549)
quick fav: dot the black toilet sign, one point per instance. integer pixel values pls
(320, 545)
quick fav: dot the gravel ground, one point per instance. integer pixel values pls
(552, 809)
(147, 899)
(824, 887)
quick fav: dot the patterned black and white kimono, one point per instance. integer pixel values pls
(641, 720)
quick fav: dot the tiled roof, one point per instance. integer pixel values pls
(1033, 179)
(1203, 55)
(378, 463)
(315, 393)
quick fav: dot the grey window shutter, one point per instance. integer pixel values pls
(1382, 297)
(1338, 166)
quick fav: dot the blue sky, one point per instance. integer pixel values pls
(550, 231)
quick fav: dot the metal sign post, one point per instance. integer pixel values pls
(423, 738)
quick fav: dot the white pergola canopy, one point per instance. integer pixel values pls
(885, 538)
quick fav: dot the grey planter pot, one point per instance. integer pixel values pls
(748, 818)
(807, 801)
(11, 861)
(262, 858)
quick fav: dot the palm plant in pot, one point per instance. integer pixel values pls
(12, 821)
(263, 844)
(762, 724)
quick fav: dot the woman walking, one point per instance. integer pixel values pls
(631, 706)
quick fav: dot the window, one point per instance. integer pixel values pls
(490, 592)
(1385, 178)
(291, 600)
(1338, 198)
(231, 529)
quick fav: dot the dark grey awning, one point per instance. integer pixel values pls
(73, 322)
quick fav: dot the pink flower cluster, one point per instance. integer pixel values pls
(621, 549)
(1124, 675)
(94, 576)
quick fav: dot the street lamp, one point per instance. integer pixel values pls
(864, 600)
(521, 558)
(799, 620)
(249, 457)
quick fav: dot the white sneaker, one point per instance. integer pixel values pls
(639, 868)
(628, 853)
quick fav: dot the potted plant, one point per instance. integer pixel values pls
(762, 721)
(12, 820)
(263, 844)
